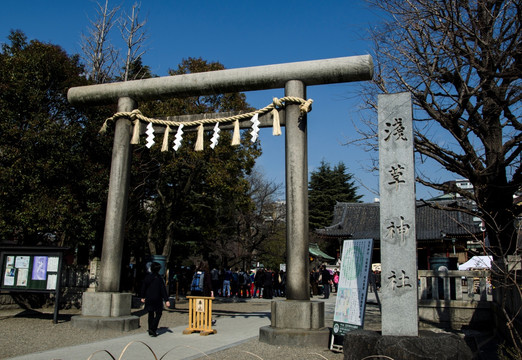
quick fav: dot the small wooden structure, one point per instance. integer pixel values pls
(200, 315)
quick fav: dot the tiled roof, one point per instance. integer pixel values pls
(313, 248)
(361, 221)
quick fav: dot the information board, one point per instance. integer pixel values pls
(353, 285)
(29, 272)
(32, 269)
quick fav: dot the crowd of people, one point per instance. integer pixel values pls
(230, 282)
(254, 283)
(323, 281)
(237, 283)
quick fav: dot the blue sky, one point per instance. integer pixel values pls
(240, 34)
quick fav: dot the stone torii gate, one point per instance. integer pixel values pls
(297, 321)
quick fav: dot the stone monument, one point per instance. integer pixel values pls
(397, 212)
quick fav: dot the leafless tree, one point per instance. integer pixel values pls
(260, 225)
(132, 32)
(462, 62)
(99, 54)
(102, 57)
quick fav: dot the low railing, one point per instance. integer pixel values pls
(470, 285)
(454, 298)
(75, 277)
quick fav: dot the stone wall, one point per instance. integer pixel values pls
(455, 314)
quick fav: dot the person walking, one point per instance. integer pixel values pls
(259, 281)
(216, 285)
(336, 280)
(326, 280)
(153, 294)
(268, 284)
(226, 282)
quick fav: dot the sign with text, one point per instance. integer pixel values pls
(353, 285)
(397, 215)
(23, 271)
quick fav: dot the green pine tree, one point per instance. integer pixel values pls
(327, 186)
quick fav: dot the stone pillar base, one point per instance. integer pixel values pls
(297, 323)
(106, 310)
(294, 337)
(121, 323)
(428, 345)
(107, 304)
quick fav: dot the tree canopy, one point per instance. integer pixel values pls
(54, 166)
(190, 199)
(49, 174)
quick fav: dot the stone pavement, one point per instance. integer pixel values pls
(232, 330)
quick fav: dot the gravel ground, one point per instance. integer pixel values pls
(28, 331)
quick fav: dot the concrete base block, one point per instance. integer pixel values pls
(120, 323)
(96, 304)
(297, 314)
(294, 337)
(296, 323)
(106, 304)
(106, 310)
(428, 345)
(121, 304)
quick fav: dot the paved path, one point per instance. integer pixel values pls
(231, 331)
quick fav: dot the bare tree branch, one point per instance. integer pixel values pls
(99, 54)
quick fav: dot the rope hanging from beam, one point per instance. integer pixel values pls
(137, 117)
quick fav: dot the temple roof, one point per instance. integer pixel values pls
(313, 248)
(361, 221)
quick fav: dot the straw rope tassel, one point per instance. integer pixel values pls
(276, 126)
(236, 138)
(103, 129)
(165, 145)
(136, 133)
(199, 141)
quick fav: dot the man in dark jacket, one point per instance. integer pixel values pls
(153, 294)
(326, 277)
(268, 284)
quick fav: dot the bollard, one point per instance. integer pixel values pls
(200, 315)
(172, 301)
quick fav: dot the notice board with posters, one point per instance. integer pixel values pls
(353, 285)
(31, 269)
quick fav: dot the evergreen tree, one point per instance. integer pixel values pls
(52, 170)
(186, 202)
(328, 186)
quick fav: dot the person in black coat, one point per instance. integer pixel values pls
(153, 294)
(268, 284)
(326, 278)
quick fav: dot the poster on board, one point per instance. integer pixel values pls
(29, 272)
(353, 285)
(39, 268)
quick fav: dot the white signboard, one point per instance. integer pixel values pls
(353, 285)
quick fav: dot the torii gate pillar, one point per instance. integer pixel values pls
(296, 320)
(296, 165)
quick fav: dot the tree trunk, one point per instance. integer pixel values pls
(150, 241)
(168, 242)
